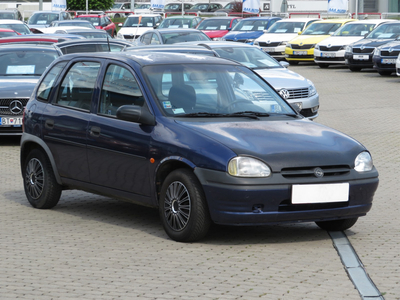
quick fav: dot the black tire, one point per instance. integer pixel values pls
(385, 73)
(293, 63)
(323, 66)
(183, 208)
(337, 225)
(117, 16)
(40, 185)
(355, 69)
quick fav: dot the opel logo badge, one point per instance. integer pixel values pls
(284, 93)
(16, 107)
(318, 172)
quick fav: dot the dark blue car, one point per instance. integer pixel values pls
(203, 139)
(249, 29)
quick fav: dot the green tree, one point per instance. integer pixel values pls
(92, 4)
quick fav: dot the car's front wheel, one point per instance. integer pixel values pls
(183, 208)
(337, 225)
(40, 185)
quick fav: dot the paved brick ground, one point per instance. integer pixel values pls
(91, 247)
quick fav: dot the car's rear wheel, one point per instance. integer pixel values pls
(384, 73)
(40, 185)
(117, 16)
(355, 69)
(183, 207)
(337, 225)
(323, 66)
(293, 63)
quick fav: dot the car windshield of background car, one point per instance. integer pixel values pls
(76, 23)
(385, 31)
(172, 6)
(354, 29)
(175, 23)
(133, 22)
(200, 6)
(7, 33)
(42, 18)
(214, 25)
(7, 16)
(212, 91)
(251, 25)
(251, 57)
(321, 29)
(94, 20)
(25, 63)
(20, 28)
(181, 37)
(286, 27)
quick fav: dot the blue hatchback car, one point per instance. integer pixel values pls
(203, 139)
(249, 29)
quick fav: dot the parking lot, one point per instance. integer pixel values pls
(92, 247)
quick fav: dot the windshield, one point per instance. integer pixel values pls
(229, 5)
(352, 29)
(207, 90)
(22, 63)
(175, 23)
(286, 27)
(7, 33)
(251, 25)
(43, 18)
(117, 5)
(8, 16)
(385, 31)
(144, 22)
(200, 6)
(251, 57)
(321, 28)
(211, 24)
(181, 37)
(76, 23)
(94, 20)
(93, 35)
(173, 6)
(20, 28)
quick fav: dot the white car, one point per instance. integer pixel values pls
(275, 39)
(398, 65)
(136, 25)
(59, 29)
(331, 50)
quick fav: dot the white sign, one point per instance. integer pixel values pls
(337, 6)
(251, 6)
(58, 4)
(157, 4)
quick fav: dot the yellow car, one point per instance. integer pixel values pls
(301, 48)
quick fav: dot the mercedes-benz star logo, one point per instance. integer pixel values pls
(318, 172)
(284, 93)
(16, 107)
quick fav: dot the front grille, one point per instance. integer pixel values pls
(393, 54)
(305, 172)
(131, 37)
(240, 41)
(5, 108)
(306, 46)
(329, 59)
(301, 56)
(333, 48)
(365, 50)
(298, 93)
(288, 206)
(263, 44)
(307, 113)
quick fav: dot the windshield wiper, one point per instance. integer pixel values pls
(202, 114)
(249, 114)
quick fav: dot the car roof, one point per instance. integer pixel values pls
(92, 15)
(7, 30)
(69, 21)
(47, 12)
(298, 20)
(334, 21)
(10, 21)
(260, 18)
(218, 44)
(182, 17)
(373, 21)
(224, 18)
(93, 41)
(144, 15)
(26, 47)
(168, 48)
(20, 39)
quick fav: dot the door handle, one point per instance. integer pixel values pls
(95, 131)
(49, 124)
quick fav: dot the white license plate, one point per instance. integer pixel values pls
(11, 121)
(299, 52)
(268, 49)
(388, 61)
(360, 57)
(320, 193)
(327, 54)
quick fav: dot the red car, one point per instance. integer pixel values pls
(4, 32)
(217, 27)
(101, 21)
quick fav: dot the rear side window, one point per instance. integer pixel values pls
(48, 82)
(77, 87)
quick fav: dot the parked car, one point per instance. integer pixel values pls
(85, 33)
(273, 41)
(20, 68)
(294, 88)
(170, 36)
(187, 21)
(93, 45)
(42, 39)
(16, 25)
(398, 66)
(100, 21)
(8, 32)
(75, 22)
(204, 7)
(11, 14)
(119, 8)
(42, 19)
(228, 8)
(358, 55)
(249, 29)
(301, 48)
(177, 7)
(217, 27)
(201, 140)
(385, 56)
(135, 25)
(331, 50)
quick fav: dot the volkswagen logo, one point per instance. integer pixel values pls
(16, 107)
(318, 172)
(284, 93)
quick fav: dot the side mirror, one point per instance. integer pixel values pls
(136, 114)
(284, 64)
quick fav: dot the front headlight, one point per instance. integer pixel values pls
(311, 88)
(288, 45)
(223, 39)
(242, 166)
(217, 39)
(363, 162)
(282, 43)
(377, 52)
(256, 43)
(317, 47)
(120, 35)
(349, 49)
(249, 41)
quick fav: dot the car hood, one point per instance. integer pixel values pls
(277, 37)
(340, 40)
(241, 35)
(371, 43)
(215, 33)
(395, 45)
(17, 86)
(282, 144)
(134, 30)
(308, 39)
(282, 78)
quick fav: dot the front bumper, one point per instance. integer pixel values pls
(329, 57)
(384, 63)
(277, 52)
(354, 59)
(299, 54)
(253, 201)
(310, 106)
